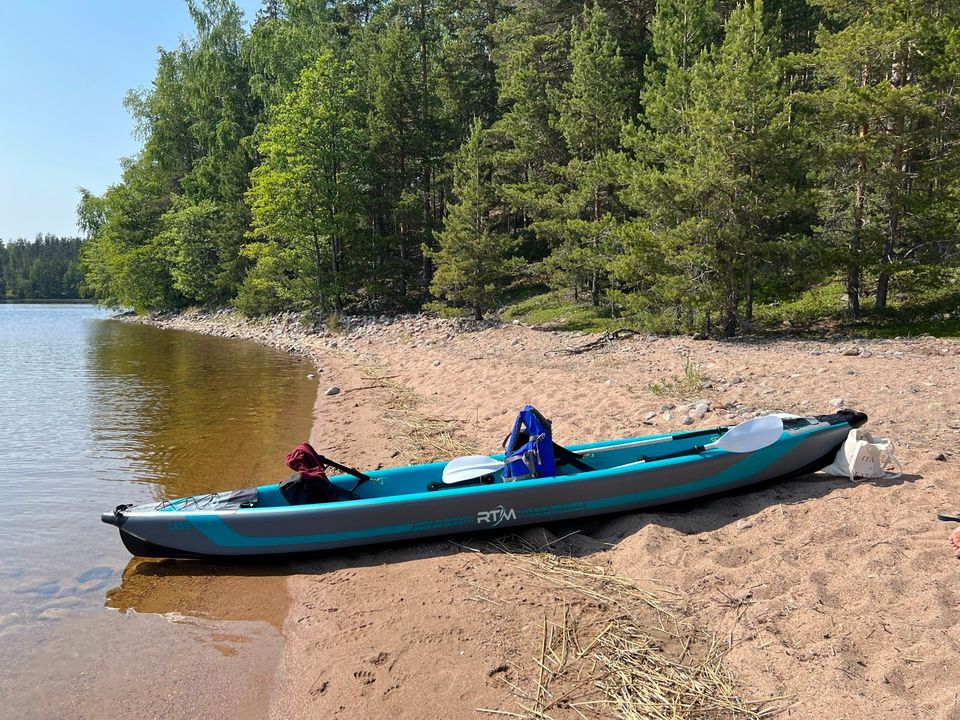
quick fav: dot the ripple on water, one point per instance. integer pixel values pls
(98, 412)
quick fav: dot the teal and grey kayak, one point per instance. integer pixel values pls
(406, 503)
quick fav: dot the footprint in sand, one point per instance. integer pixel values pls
(364, 677)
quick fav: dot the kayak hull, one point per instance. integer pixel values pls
(172, 530)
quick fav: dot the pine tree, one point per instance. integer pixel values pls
(713, 202)
(474, 260)
(882, 117)
(591, 109)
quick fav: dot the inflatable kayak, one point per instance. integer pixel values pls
(485, 492)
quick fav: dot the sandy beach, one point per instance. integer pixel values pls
(835, 599)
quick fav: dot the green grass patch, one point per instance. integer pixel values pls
(681, 386)
(916, 306)
(557, 311)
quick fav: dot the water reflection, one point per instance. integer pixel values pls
(193, 414)
(98, 412)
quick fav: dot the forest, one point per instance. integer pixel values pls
(682, 165)
(45, 269)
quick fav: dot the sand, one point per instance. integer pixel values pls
(841, 599)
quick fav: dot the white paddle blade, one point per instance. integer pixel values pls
(470, 468)
(752, 435)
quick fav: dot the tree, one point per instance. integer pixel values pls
(882, 113)
(725, 198)
(307, 195)
(474, 260)
(591, 110)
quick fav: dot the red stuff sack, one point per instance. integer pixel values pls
(313, 485)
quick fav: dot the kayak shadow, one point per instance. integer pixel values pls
(702, 515)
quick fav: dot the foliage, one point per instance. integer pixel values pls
(682, 165)
(46, 268)
(474, 260)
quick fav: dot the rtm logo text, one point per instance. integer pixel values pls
(496, 516)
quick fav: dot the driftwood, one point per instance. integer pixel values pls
(604, 340)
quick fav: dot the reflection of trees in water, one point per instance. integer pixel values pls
(192, 413)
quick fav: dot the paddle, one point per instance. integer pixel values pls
(649, 441)
(949, 518)
(470, 467)
(747, 437)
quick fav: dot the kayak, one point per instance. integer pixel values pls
(419, 501)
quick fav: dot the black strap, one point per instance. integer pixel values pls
(570, 457)
(361, 477)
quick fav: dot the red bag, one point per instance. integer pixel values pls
(306, 461)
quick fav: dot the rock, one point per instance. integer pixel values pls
(333, 390)
(744, 524)
(700, 336)
(940, 457)
(650, 415)
(851, 351)
(736, 380)
(702, 407)
(667, 416)
(836, 402)
(866, 354)
(667, 406)
(310, 376)
(686, 420)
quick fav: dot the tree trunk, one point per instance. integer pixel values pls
(856, 238)
(477, 312)
(426, 157)
(897, 80)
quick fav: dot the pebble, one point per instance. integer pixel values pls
(851, 351)
(310, 376)
(686, 420)
(940, 457)
(436, 363)
(744, 524)
(666, 407)
(836, 402)
(333, 390)
(736, 380)
(650, 415)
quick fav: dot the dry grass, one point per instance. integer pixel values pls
(614, 650)
(422, 439)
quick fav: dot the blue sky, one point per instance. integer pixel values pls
(65, 66)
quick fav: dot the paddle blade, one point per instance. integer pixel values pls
(470, 468)
(752, 435)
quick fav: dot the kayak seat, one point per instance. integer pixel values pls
(568, 457)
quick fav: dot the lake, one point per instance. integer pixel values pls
(95, 412)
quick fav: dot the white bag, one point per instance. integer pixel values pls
(865, 456)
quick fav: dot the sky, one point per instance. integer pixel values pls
(65, 66)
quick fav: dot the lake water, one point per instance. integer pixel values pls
(93, 413)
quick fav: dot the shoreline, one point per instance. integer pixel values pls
(807, 586)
